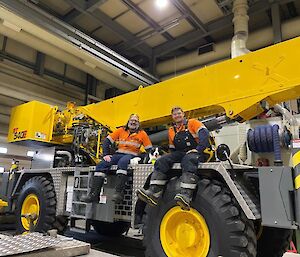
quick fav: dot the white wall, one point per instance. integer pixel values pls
(19, 84)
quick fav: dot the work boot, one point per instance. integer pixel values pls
(152, 195)
(120, 188)
(96, 185)
(188, 185)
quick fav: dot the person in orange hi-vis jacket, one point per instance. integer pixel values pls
(189, 143)
(130, 138)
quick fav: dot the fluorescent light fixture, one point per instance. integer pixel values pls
(161, 3)
(30, 153)
(3, 150)
(1, 169)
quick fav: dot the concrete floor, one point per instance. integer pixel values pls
(95, 253)
(124, 246)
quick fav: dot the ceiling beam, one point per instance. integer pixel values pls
(115, 27)
(71, 15)
(86, 45)
(138, 11)
(145, 34)
(87, 5)
(183, 8)
(191, 17)
(211, 27)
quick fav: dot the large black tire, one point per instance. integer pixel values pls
(273, 242)
(231, 233)
(111, 229)
(61, 224)
(43, 189)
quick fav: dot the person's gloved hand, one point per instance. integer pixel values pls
(135, 160)
(107, 158)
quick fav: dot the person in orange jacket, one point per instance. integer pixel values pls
(130, 138)
(189, 143)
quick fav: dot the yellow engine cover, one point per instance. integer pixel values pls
(31, 121)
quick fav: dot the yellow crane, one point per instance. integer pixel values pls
(231, 215)
(238, 87)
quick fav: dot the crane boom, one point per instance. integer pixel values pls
(236, 87)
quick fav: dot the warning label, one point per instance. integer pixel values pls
(296, 143)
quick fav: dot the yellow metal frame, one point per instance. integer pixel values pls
(235, 87)
(32, 121)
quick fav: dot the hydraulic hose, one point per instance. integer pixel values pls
(265, 139)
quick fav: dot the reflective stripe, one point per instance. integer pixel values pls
(110, 139)
(158, 182)
(122, 142)
(99, 174)
(188, 186)
(296, 159)
(171, 146)
(297, 182)
(148, 147)
(127, 152)
(124, 172)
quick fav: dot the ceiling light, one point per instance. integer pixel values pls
(30, 153)
(161, 3)
(3, 150)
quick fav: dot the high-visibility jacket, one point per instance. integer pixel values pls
(191, 126)
(130, 143)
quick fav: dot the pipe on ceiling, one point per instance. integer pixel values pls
(38, 38)
(51, 50)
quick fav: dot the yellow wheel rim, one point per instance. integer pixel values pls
(30, 205)
(184, 233)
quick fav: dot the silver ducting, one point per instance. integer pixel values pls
(289, 120)
(65, 153)
(240, 21)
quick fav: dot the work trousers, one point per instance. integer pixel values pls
(189, 162)
(120, 159)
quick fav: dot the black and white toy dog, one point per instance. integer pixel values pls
(148, 158)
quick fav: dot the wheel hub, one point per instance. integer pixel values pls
(31, 205)
(184, 233)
